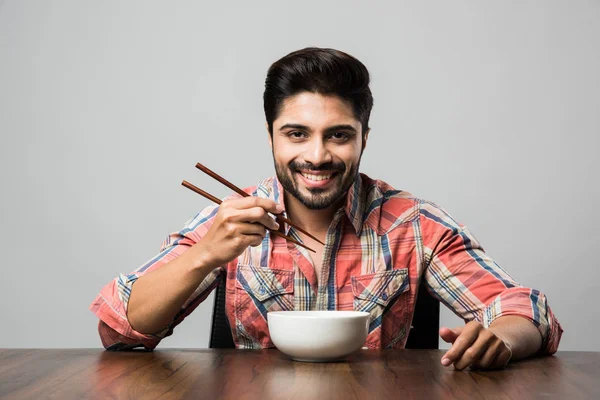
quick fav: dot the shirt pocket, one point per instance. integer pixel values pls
(374, 292)
(263, 289)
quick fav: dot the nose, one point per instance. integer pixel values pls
(317, 152)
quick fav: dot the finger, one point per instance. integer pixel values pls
(449, 335)
(490, 356)
(503, 358)
(249, 228)
(256, 214)
(473, 354)
(253, 201)
(253, 240)
(462, 343)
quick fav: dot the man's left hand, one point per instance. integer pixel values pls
(476, 347)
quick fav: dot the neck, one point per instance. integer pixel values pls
(314, 221)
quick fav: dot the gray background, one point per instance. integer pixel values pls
(490, 109)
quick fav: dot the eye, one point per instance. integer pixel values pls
(340, 136)
(296, 135)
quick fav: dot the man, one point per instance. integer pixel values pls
(380, 243)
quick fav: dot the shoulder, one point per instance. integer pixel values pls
(396, 207)
(380, 193)
(385, 207)
(434, 215)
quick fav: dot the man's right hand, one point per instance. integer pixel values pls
(157, 297)
(239, 223)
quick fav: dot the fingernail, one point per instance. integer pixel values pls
(445, 362)
(276, 228)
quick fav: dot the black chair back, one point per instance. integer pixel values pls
(220, 333)
(423, 335)
(426, 322)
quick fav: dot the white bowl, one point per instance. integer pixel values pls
(316, 336)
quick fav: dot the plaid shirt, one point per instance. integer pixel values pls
(380, 247)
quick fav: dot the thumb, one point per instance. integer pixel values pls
(450, 335)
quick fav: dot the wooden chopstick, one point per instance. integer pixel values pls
(239, 191)
(218, 201)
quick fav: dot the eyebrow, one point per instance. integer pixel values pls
(341, 127)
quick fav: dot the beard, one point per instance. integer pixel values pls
(316, 198)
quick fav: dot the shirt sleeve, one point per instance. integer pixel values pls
(463, 277)
(110, 306)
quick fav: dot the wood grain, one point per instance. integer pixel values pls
(268, 374)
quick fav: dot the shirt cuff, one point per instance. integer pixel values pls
(532, 305)
(110, 306)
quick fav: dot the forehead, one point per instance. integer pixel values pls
(316, 111)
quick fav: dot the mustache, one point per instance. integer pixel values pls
(330, 166)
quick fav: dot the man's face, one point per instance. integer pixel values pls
(317, 145)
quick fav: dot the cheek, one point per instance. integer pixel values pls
(284, 154)
(350, 156)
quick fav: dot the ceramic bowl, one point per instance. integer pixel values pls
(317, 336)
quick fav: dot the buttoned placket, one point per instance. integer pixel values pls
(305, 263)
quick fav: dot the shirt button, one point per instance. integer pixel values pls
(384, 296)
(261, 290)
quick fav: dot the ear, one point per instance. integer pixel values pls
(365, 139)
(269, 134)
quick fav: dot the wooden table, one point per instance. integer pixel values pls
(268, 374)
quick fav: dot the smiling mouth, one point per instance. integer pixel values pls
(317, 177)
(317, 180)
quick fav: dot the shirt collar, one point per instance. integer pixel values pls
(354, 207)
(356, 204)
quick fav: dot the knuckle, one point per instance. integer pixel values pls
(459, 366)
(476, 326)
(231, 229)
(259, 213)
(471, 353)
(498, 345)
(237, 241)
(250, 214)
(226, 215)
(488, 336)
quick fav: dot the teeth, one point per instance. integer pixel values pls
(316, 177)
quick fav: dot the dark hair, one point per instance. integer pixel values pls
(317, 70)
